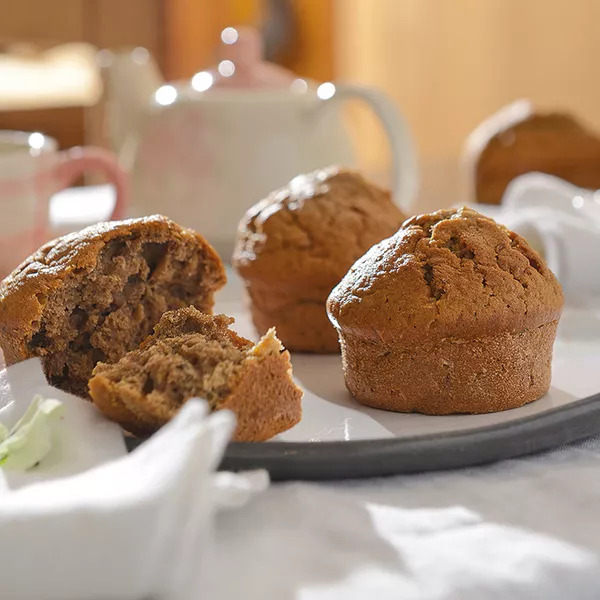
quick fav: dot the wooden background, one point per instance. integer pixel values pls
(449, 64)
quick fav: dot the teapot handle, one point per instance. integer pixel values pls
(404, 157)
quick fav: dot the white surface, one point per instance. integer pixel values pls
(517, 530)
(91, 522)
(84, 439)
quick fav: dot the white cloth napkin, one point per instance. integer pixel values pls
(83, 437)
(562, 222)
(135, 527)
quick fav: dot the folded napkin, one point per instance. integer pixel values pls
(135, 527)
(562, 222)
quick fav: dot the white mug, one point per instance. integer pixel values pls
(31, 171)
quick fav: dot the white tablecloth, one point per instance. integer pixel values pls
(526, 528)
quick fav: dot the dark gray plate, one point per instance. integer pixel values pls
(373, 458)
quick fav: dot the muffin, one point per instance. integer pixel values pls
(518, 140)
(452, 314)
(94, 295)
(296, 245)
(192, 354)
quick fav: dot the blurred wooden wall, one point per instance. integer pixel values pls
(193, 27)
(43, 24)
(103, 23)
(448, 65)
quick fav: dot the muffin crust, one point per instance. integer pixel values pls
(454, 313)
(296, 245)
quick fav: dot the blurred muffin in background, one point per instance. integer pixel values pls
(294, 247)
(518, 140)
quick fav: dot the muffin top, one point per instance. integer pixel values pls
(79, 251)
(314, 228)
(518, 140)
(538, 130)
(453, 273)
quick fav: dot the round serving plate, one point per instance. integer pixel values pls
(338, 438)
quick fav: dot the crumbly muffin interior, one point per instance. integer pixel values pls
(101, 315)
(190, 354)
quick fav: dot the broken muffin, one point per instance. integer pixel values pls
(192, 354)
(94, 295)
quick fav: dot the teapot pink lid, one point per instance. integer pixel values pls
(241, 64)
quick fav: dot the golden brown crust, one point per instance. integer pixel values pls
(483, 375)
(454, 273)
(551, 143)
(265, 399)
(299, 242)
(454, 313)
(24, 292)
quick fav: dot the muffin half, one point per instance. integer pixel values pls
(452, 314)
(96, 294)
(192, 354)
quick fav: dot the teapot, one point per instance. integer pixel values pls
(203, 151)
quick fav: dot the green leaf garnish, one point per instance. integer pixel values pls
(30, 440)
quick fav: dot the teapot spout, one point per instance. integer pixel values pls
(130, 79)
